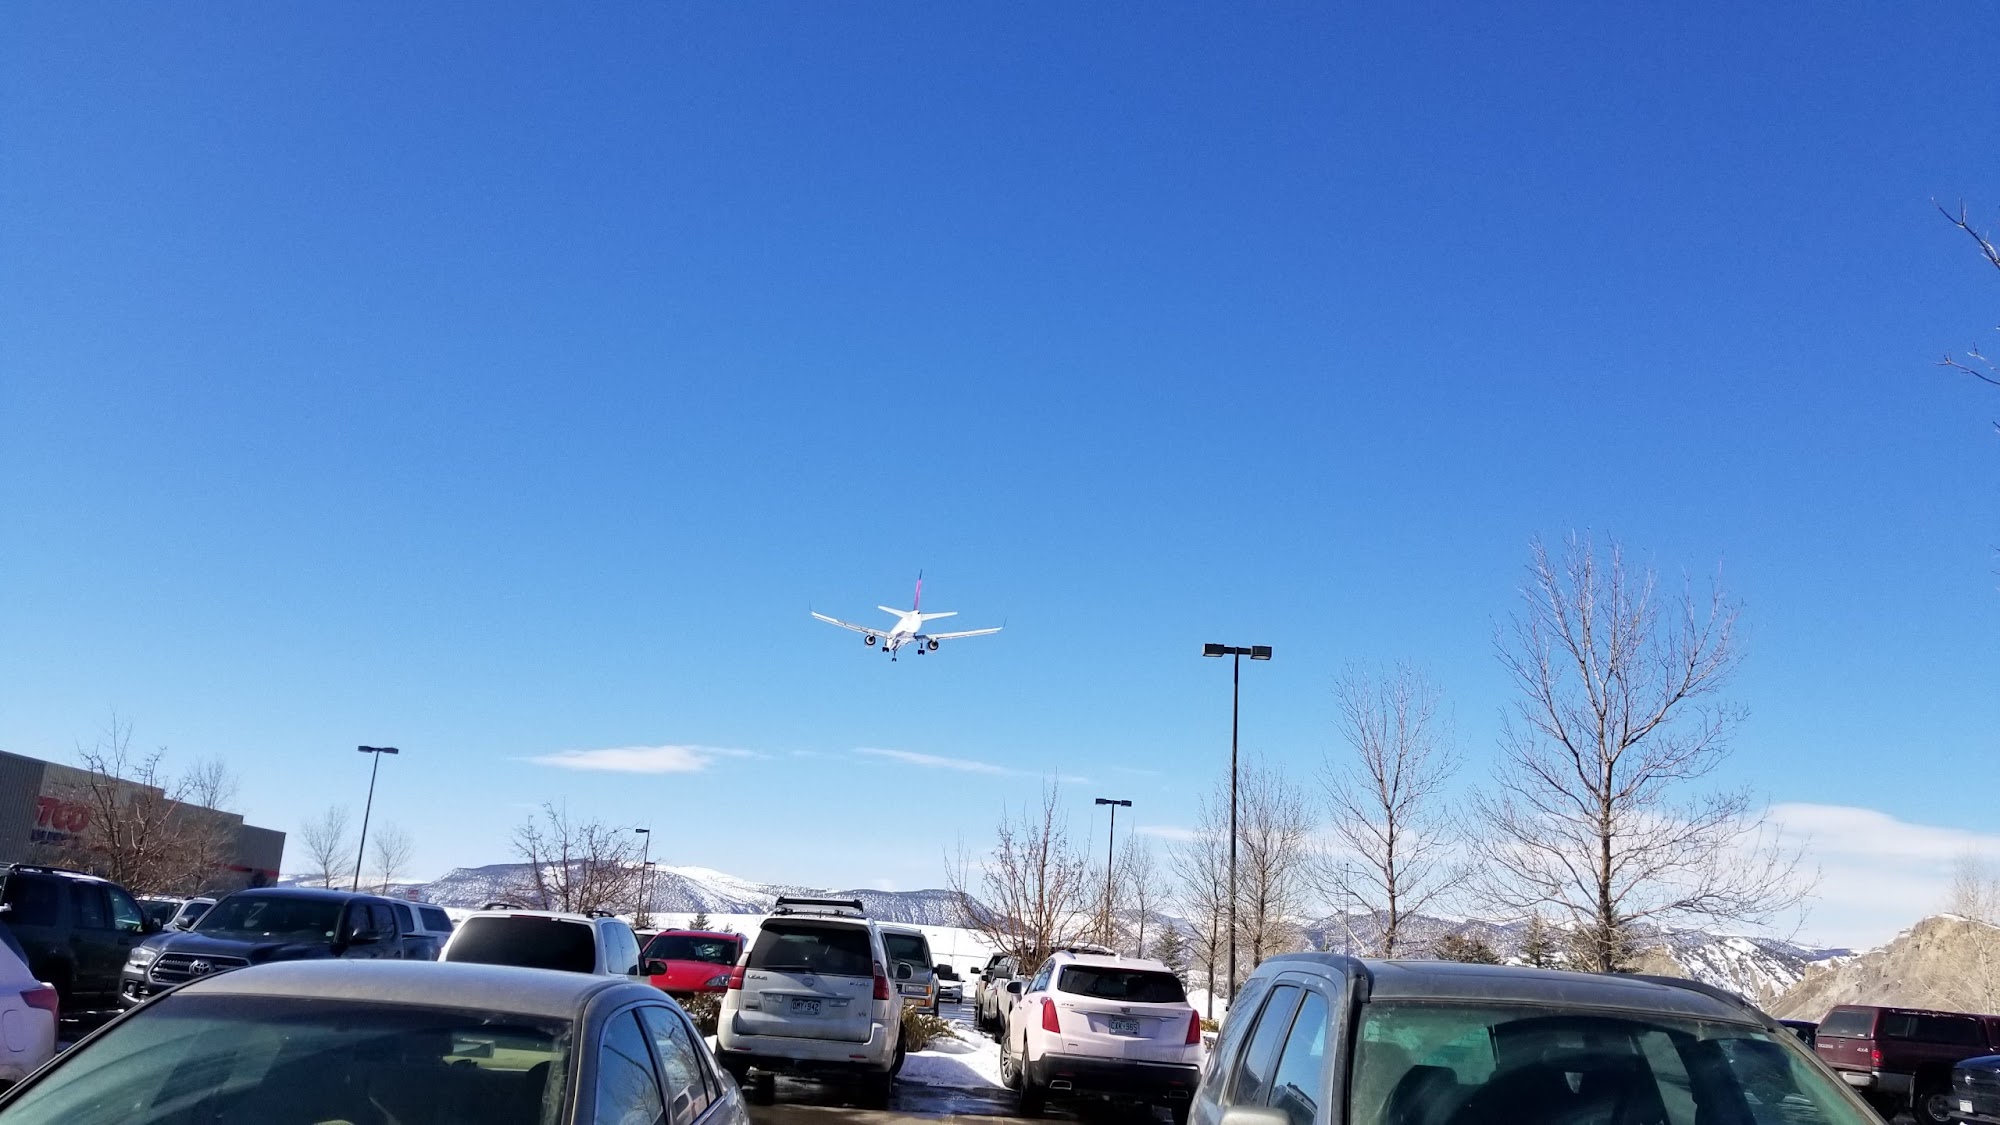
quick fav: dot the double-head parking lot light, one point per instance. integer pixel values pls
(1254, 652)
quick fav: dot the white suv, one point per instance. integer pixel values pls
(813, 996)
(1096, 1025)
(544, 939)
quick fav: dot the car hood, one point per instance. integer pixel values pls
(1983, 1062)
(689, 975)
(251, 947)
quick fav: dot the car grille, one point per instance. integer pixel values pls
(173, 968)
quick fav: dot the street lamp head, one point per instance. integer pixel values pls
(1260, 652)
(378, 749)
(1215, 650)
(643, 831)
(1110, 801)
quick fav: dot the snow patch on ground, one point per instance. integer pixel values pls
(966, 1060)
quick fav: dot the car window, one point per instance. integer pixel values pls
(628, 1093)
(1221, 1060)
(621, 949)
(254, 1060)
(1137, 986)
(1260, 1056)
(1041, 981)
(406, 919)
(684, 947)
(87, 899)
(529, 940)
(1955, 1031)
(1300, 1080)
(685, 1080)
(910, 948)
(32, 901)
(1440, 1063)
(1849, 1023)
(271, 914)
(838, 951)
(126, 917)
(435, 920)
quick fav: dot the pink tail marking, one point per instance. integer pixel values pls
(919, 603)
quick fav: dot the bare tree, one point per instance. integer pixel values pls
(329, 854)
(1979, 367)
(137, 823)
(1975, 889)
(393, 851)
(1201, 867)
(1388, 797)
(1138, 881)
(1035, 893)
(1616, 718)
(1274, 833)
(575, 865)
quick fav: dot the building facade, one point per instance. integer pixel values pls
(42, 815)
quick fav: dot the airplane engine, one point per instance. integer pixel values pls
(869, 638)
(931, 647)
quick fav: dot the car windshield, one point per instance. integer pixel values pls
(245, 1059)
(1848, 1023)
(839, 951)
(909, 948)
(190, 913)
(157, 912)
(528, 940)
(1433, 1063)
(1137, 986)
(686, 947)
(271, 915)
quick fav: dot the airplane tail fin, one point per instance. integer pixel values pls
(919, 602)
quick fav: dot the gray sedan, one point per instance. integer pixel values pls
(388, 1043)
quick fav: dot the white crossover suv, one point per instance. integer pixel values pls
(545, 939)
(1103, 1026)
(814, 997)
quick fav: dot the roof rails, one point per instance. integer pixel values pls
(1090, 948)
(838, 907)
(599, 914)
(47, 870)
(499, 905)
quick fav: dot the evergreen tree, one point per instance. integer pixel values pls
(1458, 947)
(1170, 948)
(1541, 944)
(700, 920)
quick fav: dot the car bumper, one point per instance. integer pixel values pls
(784, 1054)
(134, 989)
(1080, 1074)
(1886, 1083)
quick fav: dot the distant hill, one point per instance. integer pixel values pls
(688, 890)
(1943, 962)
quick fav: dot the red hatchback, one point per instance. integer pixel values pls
(684, 962)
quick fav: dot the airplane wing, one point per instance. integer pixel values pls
(961, 633)
(850, 625)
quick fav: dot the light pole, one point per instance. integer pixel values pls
(1110, 851)
(639, 916)
(368, 808)
(1254, 652)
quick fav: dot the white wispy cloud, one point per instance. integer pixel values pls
(939, 762)
(640, 759)
(1165, 831)
(1878, 873)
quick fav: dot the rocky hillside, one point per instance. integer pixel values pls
(1943, 962)
(687, 890)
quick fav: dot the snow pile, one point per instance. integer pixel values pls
(966, 1060)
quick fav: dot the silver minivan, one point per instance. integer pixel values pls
(814, 997)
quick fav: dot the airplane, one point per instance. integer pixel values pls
(908, 629)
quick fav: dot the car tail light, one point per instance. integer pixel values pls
(1049, 1015)
(42, 996)
(1875, 1057)
(881, 982)
(736, 978)
(1194, 1028)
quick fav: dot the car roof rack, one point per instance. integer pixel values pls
(599, 914)
(501, 905)
(839, 907)
(47, 870)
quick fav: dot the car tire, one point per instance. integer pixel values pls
(1010, 1071)
(1934, 1106)
(762, 1090)
(896, 1067)
(875, 1090)
(1032, 1101)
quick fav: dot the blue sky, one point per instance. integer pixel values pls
(497, 381)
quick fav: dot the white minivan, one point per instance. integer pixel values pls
(814, 996)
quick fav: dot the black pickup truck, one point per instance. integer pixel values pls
(271, 924)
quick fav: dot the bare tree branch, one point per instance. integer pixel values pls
(1035, 893)
(329, 854)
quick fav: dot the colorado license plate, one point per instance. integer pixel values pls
(1965, 1105)
(805, 1007)
(1123, 1027)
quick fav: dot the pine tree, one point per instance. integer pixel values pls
(1458, 947)
(700, 920)
(1541, 944)
(1170, 948)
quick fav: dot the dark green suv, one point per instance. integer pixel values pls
(77, 930)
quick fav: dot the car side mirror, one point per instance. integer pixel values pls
(655, 967)
(903, 970)
(974, 972)
(1014, 989)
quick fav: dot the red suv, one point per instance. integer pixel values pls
(1902, 1058)
(684, 962)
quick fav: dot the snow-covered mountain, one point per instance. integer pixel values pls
(689, 890)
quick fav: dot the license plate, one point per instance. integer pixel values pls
(1123, 1027)
(1965, 1105)
(805, 1007)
